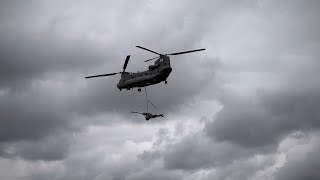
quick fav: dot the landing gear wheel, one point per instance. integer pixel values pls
(165, 82)
(139, 89)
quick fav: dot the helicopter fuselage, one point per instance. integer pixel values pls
(155, 74)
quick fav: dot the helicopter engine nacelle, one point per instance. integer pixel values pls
(152, 67)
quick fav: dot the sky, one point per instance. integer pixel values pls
(246, 108)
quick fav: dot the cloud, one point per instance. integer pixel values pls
(42, 85)
(31, 115)
(266, 119)
(243, 169)
(197, 152)
(260, 66)
(26, 59)
(50, 148)
(302, 162)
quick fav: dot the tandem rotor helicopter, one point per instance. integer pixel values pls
(155, 74)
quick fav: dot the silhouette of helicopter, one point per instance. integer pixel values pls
(148, 115)
(155, 74)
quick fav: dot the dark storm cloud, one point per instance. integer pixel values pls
(39, 56)
(267, 115)
(157, 174)
(266, 119)
(33, 65)
(30, 107)
(26, 59)
(242, 169)
(50, 148)
(302, 164)
(30, 116)
(35, 49)
(196, 152)
(48, 47)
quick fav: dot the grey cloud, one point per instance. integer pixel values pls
(50, 148)
(243, 123)
(29, 57)
(301, 164)
(191, 153)
(162, 139)
(26, 59)
(157, 174)
(242, 169)
(31, 115)
(41, 54)
(196, 152)
(264, 117)
(265, 120)
(58, 43)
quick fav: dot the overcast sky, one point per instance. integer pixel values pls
(246, 108)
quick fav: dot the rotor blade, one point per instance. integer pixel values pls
(100, 75)
(184, 52)
(126, 63)
(151, 59)
(147, 50)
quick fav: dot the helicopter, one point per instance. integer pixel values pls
(155, 74)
